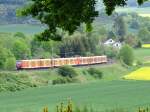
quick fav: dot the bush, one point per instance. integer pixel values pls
(126, 55)
(20, 35)
(12, 82)
(111, 52)
(62, 80)
(10, 63)
(95, 72)
(67, 71)
(21, 50)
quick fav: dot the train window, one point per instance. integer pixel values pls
(84, 60)
(71, 61)
(33, 64)
(56, 63)
(41, 63)
(98, 59)
(91, 60)
(47, 63)
(60, 62)
(88, 60)
(66, 61)
(26, 64)
(38, 63)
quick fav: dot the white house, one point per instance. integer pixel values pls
(109, 42)
(117, 45)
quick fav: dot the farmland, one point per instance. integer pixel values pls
(24, 28)
(140, 74)
(110, 92)
(134, 9)
(142, 54)
(122, 83)
(101, 95)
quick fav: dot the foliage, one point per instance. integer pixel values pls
(63, 80)
(126, 55)
(19, 35)
(3, 56)
(95, 73)
(132, 40)
(60, 15)
(144, 35)
(67, 71)
(63, 108)
(67, 15)
(111, 35)
(111, 52)
(10, 63)
(9, 82)
(79, 44)
(135, 24)
(21, 50)
(120, 27)
(6, 58)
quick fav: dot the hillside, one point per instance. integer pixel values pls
(8, 11)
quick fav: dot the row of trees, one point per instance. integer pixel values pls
(80, 44)
(19, 46)
(76, 45)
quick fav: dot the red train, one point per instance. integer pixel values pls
(56, 62)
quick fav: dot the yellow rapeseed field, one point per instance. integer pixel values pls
(140, 74)
(146, 46)
(144, 15)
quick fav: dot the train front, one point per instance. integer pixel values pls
(18, 65)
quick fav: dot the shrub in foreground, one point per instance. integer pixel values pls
(67, 71)
(10, 63)
(95, 73)
(126, 55)
(63, 80)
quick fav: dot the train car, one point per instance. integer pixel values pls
(57, 62)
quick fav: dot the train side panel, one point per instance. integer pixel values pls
(48, 63)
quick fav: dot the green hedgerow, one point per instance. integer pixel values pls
(67, 71)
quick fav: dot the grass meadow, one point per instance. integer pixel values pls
(138, 10)
(24, 28)
(108, 93)
(142, 54)
(128, 95)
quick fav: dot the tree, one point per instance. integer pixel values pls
(120, 27)
(111, 35)
(67, 14)
(131, 40)
(3, 56)
(10, 63)
(21, 50)
(126, 55)
(144, 35)
(135, 24)
(72, 46)
(6, 57)
(19, 35)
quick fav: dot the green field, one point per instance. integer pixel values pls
(142, 54)
(100, 95)
(134, 9)
(24, 28)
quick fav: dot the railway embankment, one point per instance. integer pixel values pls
(18, 80)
